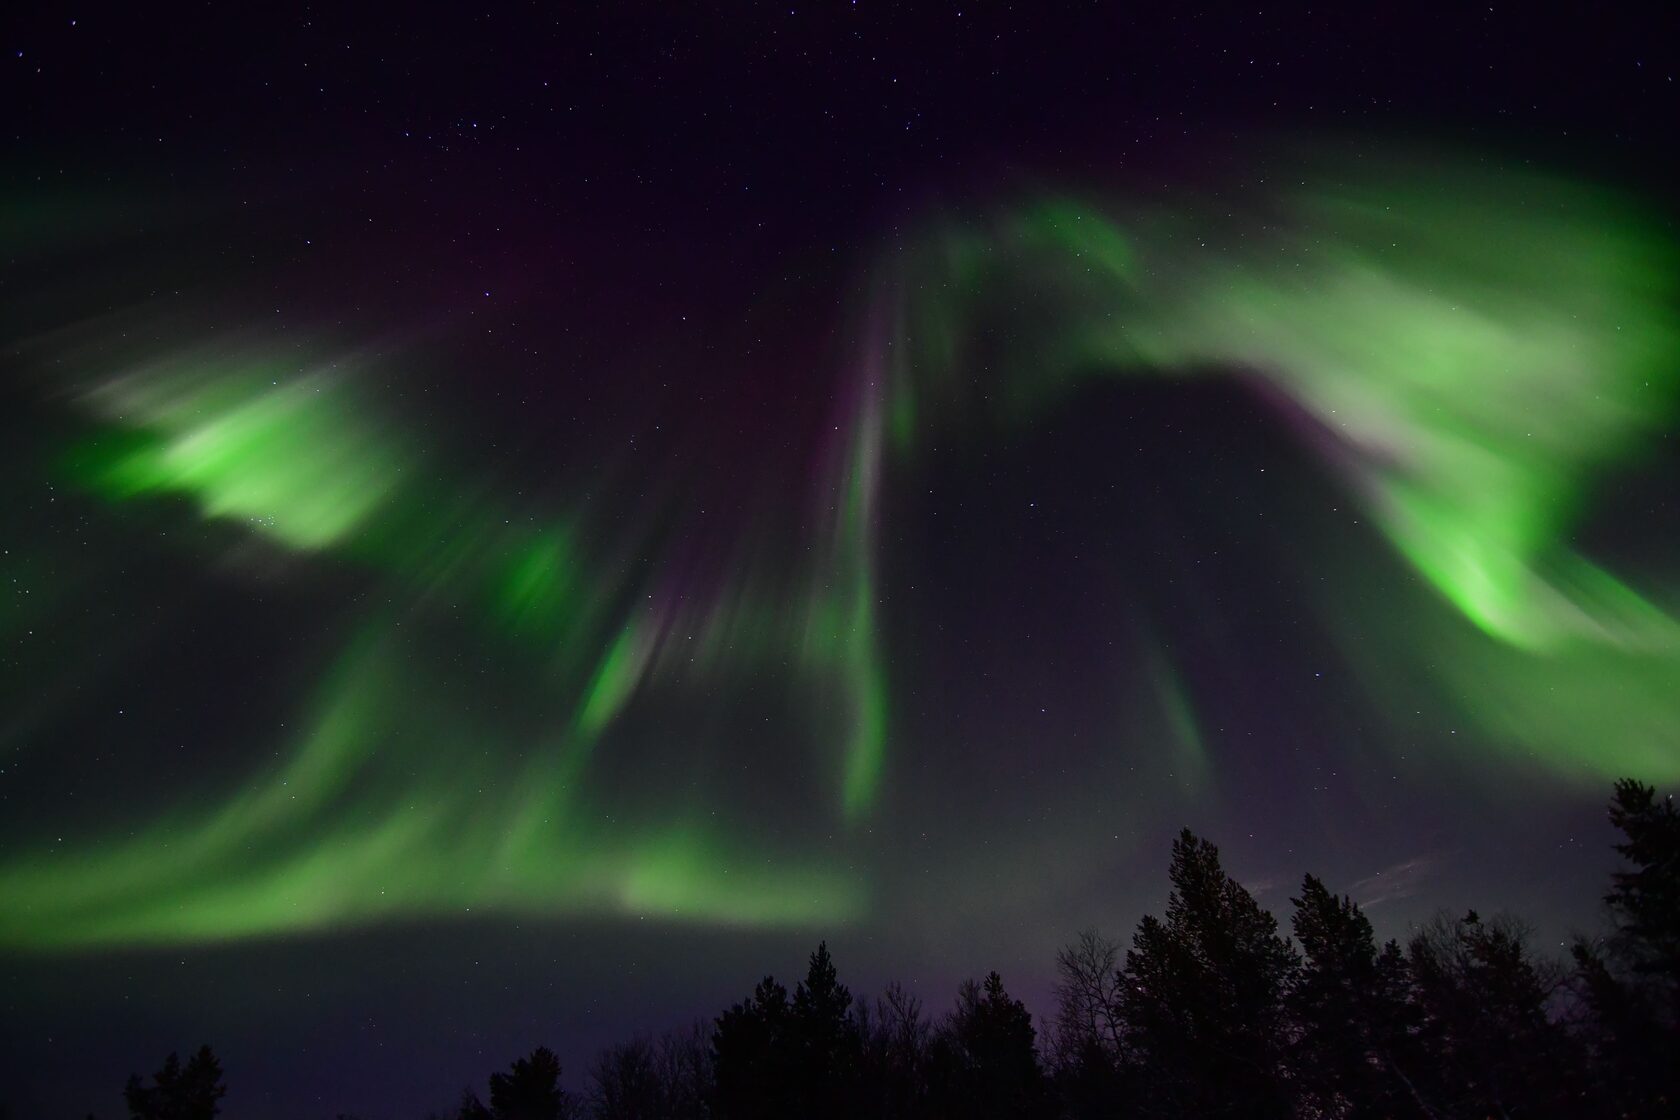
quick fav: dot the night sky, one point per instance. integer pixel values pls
(516, 523)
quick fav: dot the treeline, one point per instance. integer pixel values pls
(1211, 1012)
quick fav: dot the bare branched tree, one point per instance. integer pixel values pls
(1088, 1011)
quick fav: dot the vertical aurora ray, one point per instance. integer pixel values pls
(859, 652)
(1178, 710)
(842, 633)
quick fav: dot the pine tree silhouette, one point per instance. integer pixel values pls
(1203, 995)
(1646, 900)
(190, 1092)
(529, 1090)
(985, 1062)
(829, 1046)
(1350, 1013)
(1628, 980)
(754, 1053)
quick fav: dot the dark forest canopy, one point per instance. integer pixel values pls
(1213, 1011)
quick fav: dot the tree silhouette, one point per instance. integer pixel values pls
(686, 1072)
(985, 1062)
(628, 1083)
(1350, 1012)
(776, 1057)
(190, 1092)
(1211, 1014)
(1203, 995)
(830, 1047)
(471, 1107)
(895, 1035)
(1483, 999)
(1630, 1049)
(1628, 980)
(1088, 997)
(1088, 1046)
(529, 1090)
(753, 1053)
(1645, 901)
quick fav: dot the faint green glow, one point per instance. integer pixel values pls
(1596, 710)
(533, 595)
(381, 813)
(1184, 733)
(685, 874)
(866, 745)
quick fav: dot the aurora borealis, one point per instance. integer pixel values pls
(526, 516)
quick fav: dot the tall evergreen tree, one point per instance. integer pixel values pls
(754, 1052)
(1630, 980)
(530, 1089)
(1203, 995)
(177, 1092)
(1349, 1011)
(1645, 900)
(985, 1062)
(827, 1040)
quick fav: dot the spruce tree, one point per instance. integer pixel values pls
(1630, 980)
(986, 1059)
(1203, 995)
(530, 1089)
(754, 1057)
(190, 1092)
(1349, 1012)
(1645, 900)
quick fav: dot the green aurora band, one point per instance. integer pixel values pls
(1470, 352)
